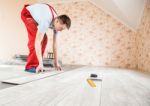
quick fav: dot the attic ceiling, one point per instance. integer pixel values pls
(128, 12)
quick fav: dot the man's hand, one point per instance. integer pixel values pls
(57, 66)
(39, 68)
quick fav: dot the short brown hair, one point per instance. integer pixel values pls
(66, 20)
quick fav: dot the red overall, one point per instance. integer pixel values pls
(31, 25)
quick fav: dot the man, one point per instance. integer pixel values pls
(38, 18)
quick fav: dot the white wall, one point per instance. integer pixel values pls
(13, 35)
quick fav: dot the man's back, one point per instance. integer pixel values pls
(42, 15)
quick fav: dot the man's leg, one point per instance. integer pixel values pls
(31, 25)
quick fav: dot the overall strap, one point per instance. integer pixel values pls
(26, 5)
(52, 10)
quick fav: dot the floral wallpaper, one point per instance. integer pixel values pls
(143, 40)
(95, 38)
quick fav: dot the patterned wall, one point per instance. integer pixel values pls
(95, 38)
(143, 41)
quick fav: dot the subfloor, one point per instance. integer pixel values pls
(117, 87)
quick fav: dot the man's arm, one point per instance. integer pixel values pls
(38, 39)
(57, 66)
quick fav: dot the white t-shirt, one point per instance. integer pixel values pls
(42, 15)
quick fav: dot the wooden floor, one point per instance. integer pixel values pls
(119, 87)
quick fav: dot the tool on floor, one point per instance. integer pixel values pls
(93, 75)
(92, 78)
(91, 83)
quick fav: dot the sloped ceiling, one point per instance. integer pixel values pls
(128, 12)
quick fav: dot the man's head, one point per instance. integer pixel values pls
(62, 22)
